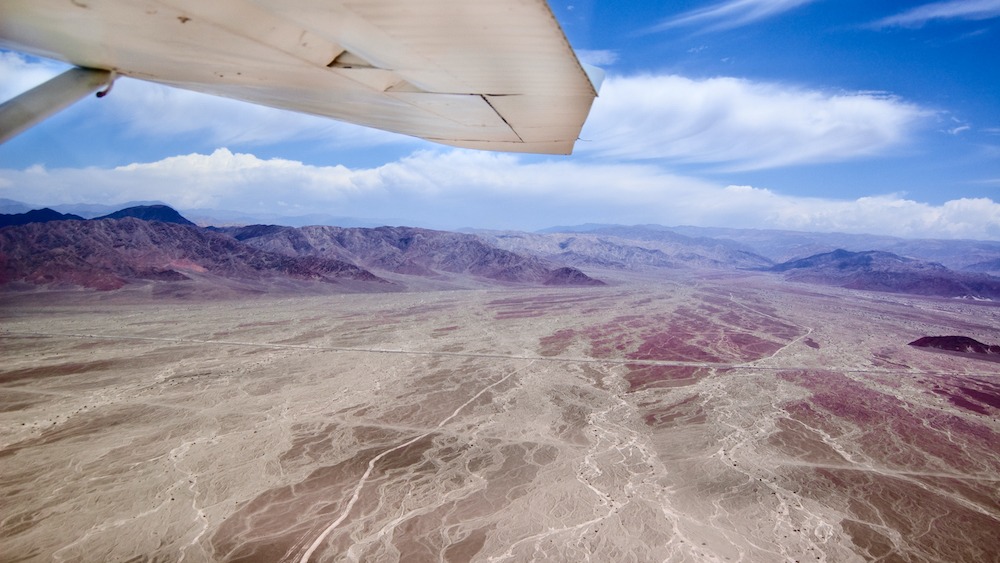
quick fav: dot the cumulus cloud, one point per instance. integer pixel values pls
(730, 14)
(953, 9)
(450, 188)
(740, 124)
(457, 188)
(890, 214)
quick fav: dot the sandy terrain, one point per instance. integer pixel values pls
(726, 419)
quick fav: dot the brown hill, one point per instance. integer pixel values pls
(109, 253)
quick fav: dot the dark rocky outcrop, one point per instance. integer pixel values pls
(961, 344)
(570, 276)
(162, 213)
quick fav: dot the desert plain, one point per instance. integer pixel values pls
(725, 417)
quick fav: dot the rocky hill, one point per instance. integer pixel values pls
(410, 251)
(162, 213)
(887, 272)
(110, 253)
(154, 242)
(960, 344)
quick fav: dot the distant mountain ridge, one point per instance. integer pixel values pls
(162, 213)
(445, 259)
(410, 251)
(629, 248)
(782, 245)
(43, 215)
(887, 272)
(156, 212)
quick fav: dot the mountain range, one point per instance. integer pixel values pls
(887, 272)
(155, 243)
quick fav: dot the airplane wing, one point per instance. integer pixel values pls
(485, 74)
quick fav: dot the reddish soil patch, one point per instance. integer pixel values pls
(80, 427)
(678, 343)
(276, 521)
(537, 306)
(973, 395)
(650, 376)
(58, 370)
(692, 334)
(893, 431)
(556, 343)
(931, 526)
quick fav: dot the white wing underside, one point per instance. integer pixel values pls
(484, 74)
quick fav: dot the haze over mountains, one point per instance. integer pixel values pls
(155, 243)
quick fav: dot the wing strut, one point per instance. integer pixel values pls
(40, 102)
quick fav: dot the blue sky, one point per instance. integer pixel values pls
(829, 115)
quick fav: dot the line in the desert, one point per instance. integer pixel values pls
(750, 365)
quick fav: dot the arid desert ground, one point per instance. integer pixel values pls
(727, 418)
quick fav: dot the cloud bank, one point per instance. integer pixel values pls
(457, 188)
(740, 124)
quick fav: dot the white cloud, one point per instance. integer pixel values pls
(424, 184)
(19, 74)
(730, 14)
(953, 9)
(597, 57)
(457, 188)
(971, 218)
(741, 124)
